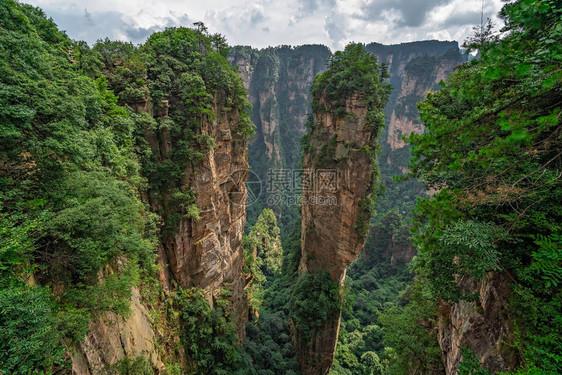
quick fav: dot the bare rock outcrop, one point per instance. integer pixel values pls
(420, 75)
(333, 215)
(482, 326)
(112, 339)
(207, 251)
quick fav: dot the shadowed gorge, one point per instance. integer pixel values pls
(182, 206)
(278, 80)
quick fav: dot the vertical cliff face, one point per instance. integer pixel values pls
(333, 232)
(203, 251)
(198, 167)
(421, 74)
(206, 251)
(414, 69)
(278, 80)
(340, 172)
(202, 211)
(260, 72)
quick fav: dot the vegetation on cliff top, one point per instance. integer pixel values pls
(352, 71)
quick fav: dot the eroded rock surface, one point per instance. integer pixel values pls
(113, 339)
(207, 252)
(482, 326)
(420, 74)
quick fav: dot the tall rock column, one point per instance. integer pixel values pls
(340, 173)
(198, 167)
(191, 107)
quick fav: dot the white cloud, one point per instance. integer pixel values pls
(263, 23)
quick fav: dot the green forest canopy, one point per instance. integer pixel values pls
(493, 150)
(74, 164)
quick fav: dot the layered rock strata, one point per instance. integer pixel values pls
(207, 251)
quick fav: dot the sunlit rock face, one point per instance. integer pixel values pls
(207, 251)
(414, 69)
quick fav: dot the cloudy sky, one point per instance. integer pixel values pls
(262, 23)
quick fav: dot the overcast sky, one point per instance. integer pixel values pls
(262, 23)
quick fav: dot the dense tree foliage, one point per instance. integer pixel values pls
(352, 71)
(76, 232)
(29, 339)
(69, 186)
(492, 149)
(263, 256)
(408, 329)
(268, 348)
(262, 247)
(375, 286)
(206, 334)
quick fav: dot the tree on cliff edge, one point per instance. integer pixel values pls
(493, 151)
